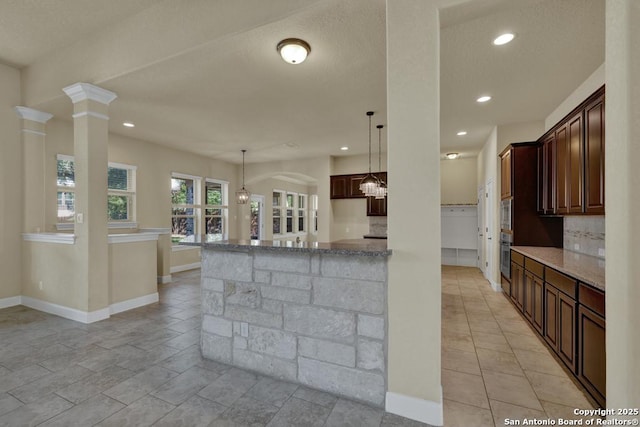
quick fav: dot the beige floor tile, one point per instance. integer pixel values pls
(482, 316)
(461, 361)
(486, 326)
(491, 341)
(511, 389)
(556, 389)
(457, 340)
(457, 326)
(464, 388)
(556, 411)
(498, 361)
(525, 342)
(539, 362)
(502, 411)
(460, 415)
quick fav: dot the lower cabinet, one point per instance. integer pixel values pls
(591, 343)
(568, 315)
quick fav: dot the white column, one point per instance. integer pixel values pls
(33, 157)
(413, 103)
(622, 192)
(90, 138)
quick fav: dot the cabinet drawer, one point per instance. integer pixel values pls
(591, 298)
(517, 257)
(564, 283)
(534, 266)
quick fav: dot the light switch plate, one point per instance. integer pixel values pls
(576, 247)
(79, 218)
(244, 329)
(601, 252)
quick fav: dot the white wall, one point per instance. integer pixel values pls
(593, 83)
(519, 132)
(458, 181)
(10, 184)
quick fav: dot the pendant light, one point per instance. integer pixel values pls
(369, 183)
(242, 195)
(381, 192)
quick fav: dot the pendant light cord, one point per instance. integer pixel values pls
(369, 113)
(243, 151)
(380, 149)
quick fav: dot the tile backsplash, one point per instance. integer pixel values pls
(378, 225)
(584, 234)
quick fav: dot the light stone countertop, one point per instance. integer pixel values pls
(586, 268)
(357, 247)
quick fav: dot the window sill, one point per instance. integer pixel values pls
(66, 226)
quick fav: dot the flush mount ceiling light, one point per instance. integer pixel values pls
(242, 195)
(503, 39)
(452, 156)
(484, 98)
(128, 125)
(369, 184)
(345, 148)
(462, 133)
(294, 51)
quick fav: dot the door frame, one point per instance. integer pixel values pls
(260, 199)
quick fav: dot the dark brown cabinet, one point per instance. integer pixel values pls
(505, 175)
(594, 156)
(533, 300)
(559, 318)
(517, 285)
(376, 207)
(571, 162)
(346, 186)
(592, 342)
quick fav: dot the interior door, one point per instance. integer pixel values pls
(256, 224)
(489, 238)
(481, 244)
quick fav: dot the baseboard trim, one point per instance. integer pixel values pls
(9, 302)
(164, 279)
(425, 411)
(66, 312)
(79, 315)
(185, 267)
(495, 286)
(130, 304)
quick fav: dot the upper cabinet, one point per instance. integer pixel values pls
(348, 187)
(505, 175)
(571, 162)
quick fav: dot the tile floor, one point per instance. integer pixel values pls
(142, 368)
(493, 365)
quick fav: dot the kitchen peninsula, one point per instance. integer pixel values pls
(309, 313)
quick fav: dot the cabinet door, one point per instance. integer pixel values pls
(576, 161)
(551, 316)
(505, 175)
(550, 175)
(339, 186)
(528, 296)
(537, 296)
(376, 207)
(591, 353)
(353, 187)
(567, 330)
(562, 168)
(594, 157)
(517, 290)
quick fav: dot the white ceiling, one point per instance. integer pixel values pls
(232, 91)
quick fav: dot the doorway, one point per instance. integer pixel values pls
(256, 224)
(481, 249)
(489, 232)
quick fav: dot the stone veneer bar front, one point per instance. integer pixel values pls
(310, 313)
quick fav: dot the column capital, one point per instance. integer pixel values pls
(82, 91)
(27, 113)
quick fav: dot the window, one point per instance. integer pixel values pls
(121, 191)
(277, 212)
(185, 207)
(291, 197)
(302, 213)
(314, 212)
(216, 209)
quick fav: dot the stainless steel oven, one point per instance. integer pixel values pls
(505, 254)
(505, 214)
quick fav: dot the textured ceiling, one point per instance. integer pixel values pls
(207, 86)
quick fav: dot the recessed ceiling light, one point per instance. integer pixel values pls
(294, 51)
(462, 133)
(452, 156)
(503, 39)
(128, 125)
(484, 98)
(345, 148)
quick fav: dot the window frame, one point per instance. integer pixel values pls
(224, 207)
(280, 209)
(313, 213)
(129, 222)
(301, 213)
(196, 206)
